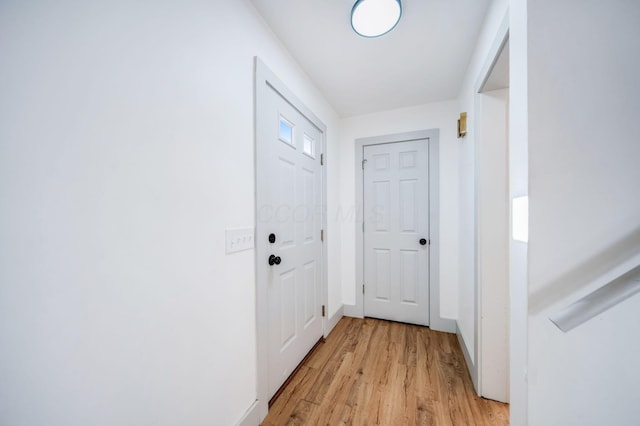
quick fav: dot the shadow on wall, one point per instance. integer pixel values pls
(594, 268)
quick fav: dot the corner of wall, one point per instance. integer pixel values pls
(334, 320)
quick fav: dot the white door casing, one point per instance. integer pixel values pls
(289, 204)
(490, 362)
(436, 321)
(396, 231)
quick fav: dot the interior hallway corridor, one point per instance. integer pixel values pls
(374, 372)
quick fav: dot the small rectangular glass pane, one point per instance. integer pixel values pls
(285, 133)
(309, 146)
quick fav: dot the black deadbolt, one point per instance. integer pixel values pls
(274, 260)
(272, 238)
(423, 241)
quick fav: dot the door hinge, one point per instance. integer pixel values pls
(323, 310)
(322, 235)
(362, 288)
(322, 159)
(363, 162)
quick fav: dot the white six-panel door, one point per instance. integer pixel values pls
(291, 211)
(396, 226)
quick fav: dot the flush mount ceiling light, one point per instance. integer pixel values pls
(373, 18)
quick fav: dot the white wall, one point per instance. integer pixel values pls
(126, 149)
(584, 98)
(466, 257)
(441, 115)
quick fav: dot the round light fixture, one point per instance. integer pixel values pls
(373, 18)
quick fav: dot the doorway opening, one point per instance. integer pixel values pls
(490, 367)
(431, 215)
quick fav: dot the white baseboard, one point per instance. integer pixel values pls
(443, 324)
(437, 324)
(251, 416)
(335, 318)
(473, 369)
(352, 311)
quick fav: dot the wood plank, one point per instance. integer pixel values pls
(374, 372)
(359, 399)
(426, 413)
(289, 397)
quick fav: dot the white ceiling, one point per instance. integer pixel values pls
(422, 60)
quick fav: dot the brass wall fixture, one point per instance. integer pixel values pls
(462, 125)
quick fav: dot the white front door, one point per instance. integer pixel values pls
(289, 221)
(396, 226)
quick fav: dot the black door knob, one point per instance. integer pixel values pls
(423, 241)
(272, 238)
(274, 260)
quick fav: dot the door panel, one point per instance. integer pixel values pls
(382, 275)
(291, 209)
(287, 297)
(409, 277)
(396, 202)
(310, 285)
(382, 199)
(408, 205)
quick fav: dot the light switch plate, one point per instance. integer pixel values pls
(239, 239)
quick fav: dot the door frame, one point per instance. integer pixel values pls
(474, 363)
(265, 77)
(433, 143)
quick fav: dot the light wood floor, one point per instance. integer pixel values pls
(373, 372)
